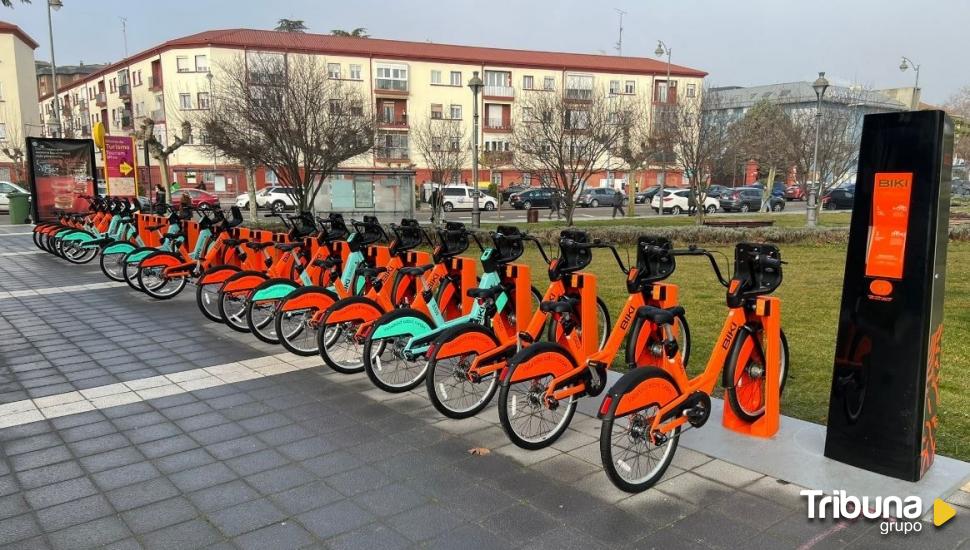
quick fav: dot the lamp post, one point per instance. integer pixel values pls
(903, 65)
(55, 5)
(820, 85)
(476, 85)
(660, 51)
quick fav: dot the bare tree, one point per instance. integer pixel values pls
(9, 3)
(763, 133)
(700, 134)
(444, 146)
(160, 151)
(638, 146)
(290, 25)
(958, 106)
(14, 147)
(283, 112)
(567, 138)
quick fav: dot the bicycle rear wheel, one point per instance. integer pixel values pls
(526, 418)
(450, 390)
(294, 322)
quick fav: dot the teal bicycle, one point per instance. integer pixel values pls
(395, 349)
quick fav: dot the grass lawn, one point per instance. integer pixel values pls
(832, 219)
(811, 294)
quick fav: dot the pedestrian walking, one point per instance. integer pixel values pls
(434, 204)
(555, 205)
(691, 204)
(159, 198)
(618, 203)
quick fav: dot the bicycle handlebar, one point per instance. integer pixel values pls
(599, 244)
(693, 250)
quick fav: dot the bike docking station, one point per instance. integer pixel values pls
(880, 439)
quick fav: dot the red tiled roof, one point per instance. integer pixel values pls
(399, 49)
(10, 28)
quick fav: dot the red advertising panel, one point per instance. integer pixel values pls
(61, 171)
(120, 165)
(890, 219)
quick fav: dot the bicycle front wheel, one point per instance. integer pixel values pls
(745, 370)
(386, 359)
(448, 385)
(295, 324)
(525, 416)
(337, 338)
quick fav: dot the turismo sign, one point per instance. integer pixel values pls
(121, 176)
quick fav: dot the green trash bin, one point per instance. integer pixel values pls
(19, 207)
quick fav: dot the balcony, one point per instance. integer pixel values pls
(158, 115)
(497, 158)
(127, 122)
(391, 153)
(124, 90)
(498, 92)
(101, 100)
(155, 83)
(393, 122)
(579, 94)
(497, 125)
(390, 86)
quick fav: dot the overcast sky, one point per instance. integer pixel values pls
(739, 42)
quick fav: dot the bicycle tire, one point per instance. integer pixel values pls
(634, 345)
(374, 364)
(299, 342)
(438, 386)
(533, 398)
(748, 402)
(353, 363)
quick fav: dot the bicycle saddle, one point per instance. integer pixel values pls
(660, 316)
(485, 293)
(257, 246)
(286, 247)
(416, 271)
(563, 305)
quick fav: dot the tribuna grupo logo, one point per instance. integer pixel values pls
(896, 514)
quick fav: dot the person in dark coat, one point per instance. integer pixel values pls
(159, 198)
(618, 203)
(555, 204)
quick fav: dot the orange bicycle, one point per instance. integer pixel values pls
(643, 413)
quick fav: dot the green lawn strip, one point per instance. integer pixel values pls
(831, 219)
(810, 294)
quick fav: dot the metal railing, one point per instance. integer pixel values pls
(101, 99)
(499, 91)
(496, 124)
(580, 94)
(391, 153)
(395, 121)
(124, 90)
(390, 84)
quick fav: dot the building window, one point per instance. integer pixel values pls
(201, 64)
(185, 101)
(355, 72)
(3, 131)
(333, 70)
(456, 78)
(691, 90)
(203, 99)
(114, 85)
(526, 179)
(630, 87)
(392, 77)
(527, 82)
(549, 83)
(436, 110)
(335, 108)
(614, 86)
(456, 112)
(182, 64)
(436, 77)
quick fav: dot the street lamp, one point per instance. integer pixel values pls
(54, 5)
(659, 52)
(476, 85)
(905, 64)
(820, 85)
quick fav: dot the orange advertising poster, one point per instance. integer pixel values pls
(890, 218)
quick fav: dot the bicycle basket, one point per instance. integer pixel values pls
(452, 241)
(303, 225)
(407, 235)
(370, 230)
(572, 258)
(235, 217)
(508, 244)
(337, 229)
(654, 260)
(752, 276)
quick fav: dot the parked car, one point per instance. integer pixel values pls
(646, 195)
(717, 190)
(748, 199)
(795, 193)
(8, 187)
(676, 201)
(274, 197)
(536, 197)
(507, 193)
(461, 197)
(600, 196)
(198, 196)
(840, 197)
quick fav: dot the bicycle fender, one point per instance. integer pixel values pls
(638, 389)
(273, 289)
(536, 360)
(243, 281)
(357, 308)
(465, 342)
(79, 237)
(309, 297)
(137, 256)
(118, 248)
(161, 259)
(218, 274)
(405, 324)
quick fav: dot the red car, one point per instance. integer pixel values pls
(198, 197)
(795, 193)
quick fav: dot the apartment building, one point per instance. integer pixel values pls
(406, 82)
(19, 116)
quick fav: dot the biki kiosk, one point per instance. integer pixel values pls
(885, 386)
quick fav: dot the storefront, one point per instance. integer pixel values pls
(388, 194)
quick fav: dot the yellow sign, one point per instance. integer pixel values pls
(942, 512)
(125, 168)
(98, 135)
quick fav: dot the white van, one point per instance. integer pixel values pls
(460, 197)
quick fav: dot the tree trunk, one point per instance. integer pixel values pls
(631, 194)
(251, 189)
(163, 169)
(766, 192)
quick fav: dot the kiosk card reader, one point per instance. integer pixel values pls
(885, 386)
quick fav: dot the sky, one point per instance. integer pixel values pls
(739, 42)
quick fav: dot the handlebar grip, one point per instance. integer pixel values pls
(768, 261)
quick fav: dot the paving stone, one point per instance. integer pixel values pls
(425, 522)
(43, 457)
(695, 489)
(520, 523)
(279, 536)
(92, 534)
(13, 505)
(111, 459)
(467, 537)
(202, 477)
(189, 535)
(183, 461)
(306, 497)
(159, 514)
(17, 528)
(167, 446)
(38, 477)
(259, 461)
(246, 517)
(125, 475)
(565, 468)
(335, 519)
(140, 494)
(32, 443)
(660, 507)
(726, 473)
(223, 496)
(74, 512)
(280, 479)
(235, 447)
(369, 537)
(357, 481)
(56, 493)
